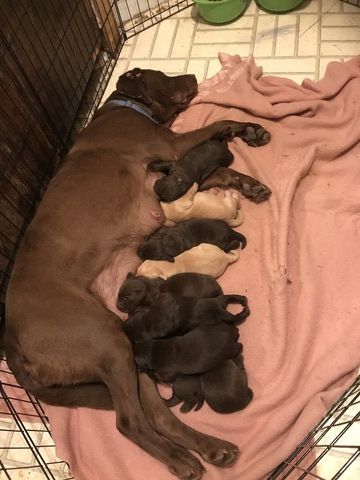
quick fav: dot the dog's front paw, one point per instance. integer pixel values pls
(254, 135)
(256, 192)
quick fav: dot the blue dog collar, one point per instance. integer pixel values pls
(133, 106)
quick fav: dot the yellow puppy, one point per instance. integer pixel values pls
(213, 203)
(204, 258)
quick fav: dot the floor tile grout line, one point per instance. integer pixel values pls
(253, 34)
(318, 51)
(260, 57)
(206, 70)
(273, 46)
(156, 31)
(191, 42)
(297, 36)
(131, 53)
(172, 43)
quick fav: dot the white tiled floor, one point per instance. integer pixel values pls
(297, 44)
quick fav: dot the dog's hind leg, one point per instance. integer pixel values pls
(96, 352)
(213, 450)
(119, 374)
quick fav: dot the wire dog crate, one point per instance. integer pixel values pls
(356, 3)
(56, 59)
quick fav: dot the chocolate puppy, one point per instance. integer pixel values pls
(171, 315)
(225, 388)
(143, 291)
(138, 291)
(168, 242)
(196, 352)
(198, 163)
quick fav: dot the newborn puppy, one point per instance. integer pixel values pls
(196, 352)
(198, 163)
(168, 242)
(205, 258)
(136, 291)
(225, 388)
(191, 284)
(171, 315)
(144, 291)
(221, 205)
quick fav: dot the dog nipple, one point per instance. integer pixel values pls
(158, 215)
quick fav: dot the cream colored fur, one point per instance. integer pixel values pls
(204, 258)
(213, 203)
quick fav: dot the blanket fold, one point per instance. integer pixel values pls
(300, 272)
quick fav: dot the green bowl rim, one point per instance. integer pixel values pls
(213, 3)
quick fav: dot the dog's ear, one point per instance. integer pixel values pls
(131, 84)
(130, 275)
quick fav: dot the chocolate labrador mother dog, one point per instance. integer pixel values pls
(63, 343)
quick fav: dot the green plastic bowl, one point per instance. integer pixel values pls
(279, 5)
(220, 11)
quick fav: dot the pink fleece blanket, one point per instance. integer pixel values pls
(300, 271)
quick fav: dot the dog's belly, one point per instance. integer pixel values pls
(108, 282)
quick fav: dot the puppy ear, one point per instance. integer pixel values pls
(132, 85)
(130, 275)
